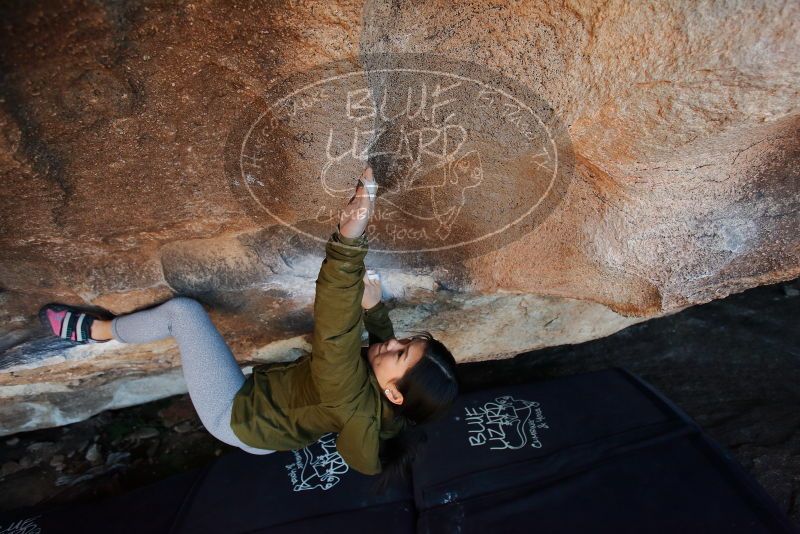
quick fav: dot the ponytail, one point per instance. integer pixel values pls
(398, 454)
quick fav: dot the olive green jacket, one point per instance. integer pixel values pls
(289, 405)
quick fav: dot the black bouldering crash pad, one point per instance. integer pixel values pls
(596, 452)
(295, 491)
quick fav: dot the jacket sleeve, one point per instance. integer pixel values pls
(336, 364)
(378, 324)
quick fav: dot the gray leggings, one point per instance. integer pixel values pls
(212, 375)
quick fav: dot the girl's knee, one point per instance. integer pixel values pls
(185, 306)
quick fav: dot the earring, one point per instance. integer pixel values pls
(387, 392)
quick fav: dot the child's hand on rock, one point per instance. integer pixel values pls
(355, 216)
(372, 290)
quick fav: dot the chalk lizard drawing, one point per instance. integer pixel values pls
(426, 160)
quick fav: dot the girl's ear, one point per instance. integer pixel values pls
(393, 394)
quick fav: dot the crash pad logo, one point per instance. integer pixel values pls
(506, 423)
(318, 466)
(22, 526)
(466, 159)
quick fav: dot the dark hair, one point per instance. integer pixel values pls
(429, 389)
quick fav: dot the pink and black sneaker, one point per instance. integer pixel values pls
(68, 323)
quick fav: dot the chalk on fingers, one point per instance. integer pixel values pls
(372, 188)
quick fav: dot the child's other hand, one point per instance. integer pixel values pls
(372, 290)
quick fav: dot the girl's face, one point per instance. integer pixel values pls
(390, 361)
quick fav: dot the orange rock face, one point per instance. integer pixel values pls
(641, 159)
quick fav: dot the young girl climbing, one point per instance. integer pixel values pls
(374, 398)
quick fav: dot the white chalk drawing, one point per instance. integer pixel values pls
(506, 423)
(22, 526)
(431, 158)
(466, 159)
(318, 466)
